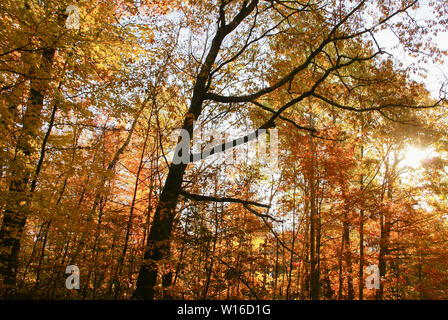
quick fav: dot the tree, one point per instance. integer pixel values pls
(90, 173)
(40, 68)
(328, 56)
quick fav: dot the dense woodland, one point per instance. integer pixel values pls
(91, 103)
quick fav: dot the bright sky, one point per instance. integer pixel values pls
(437, 73)
(413, 156)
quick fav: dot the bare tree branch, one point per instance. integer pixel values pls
(198, 197)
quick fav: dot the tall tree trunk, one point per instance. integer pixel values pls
(361, 221)
(314, 275)
(348, 258)
(361, 255)
(15, 213)
(61, 193)
(42, 256)
(276, 268)
(293, 240)
(212, 259)
(159, 239)
(386, 226)
(131, 210)
(361, 242)
(341, 275)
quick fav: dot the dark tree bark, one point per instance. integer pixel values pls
(314, 274)
(15, 214)
(361, 228)
(348, 258)
(159, 239)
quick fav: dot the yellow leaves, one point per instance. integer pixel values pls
(258, 242)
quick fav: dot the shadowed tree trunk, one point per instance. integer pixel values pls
(348, 258)
(159, 239)
(361, 225)
(15, 213)
(386, 225)
(314, 274)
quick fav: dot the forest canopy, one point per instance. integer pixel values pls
(223, 149)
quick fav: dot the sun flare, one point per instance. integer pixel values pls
(413, 156)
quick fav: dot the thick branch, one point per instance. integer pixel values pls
(231, 144)
(198, 197)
